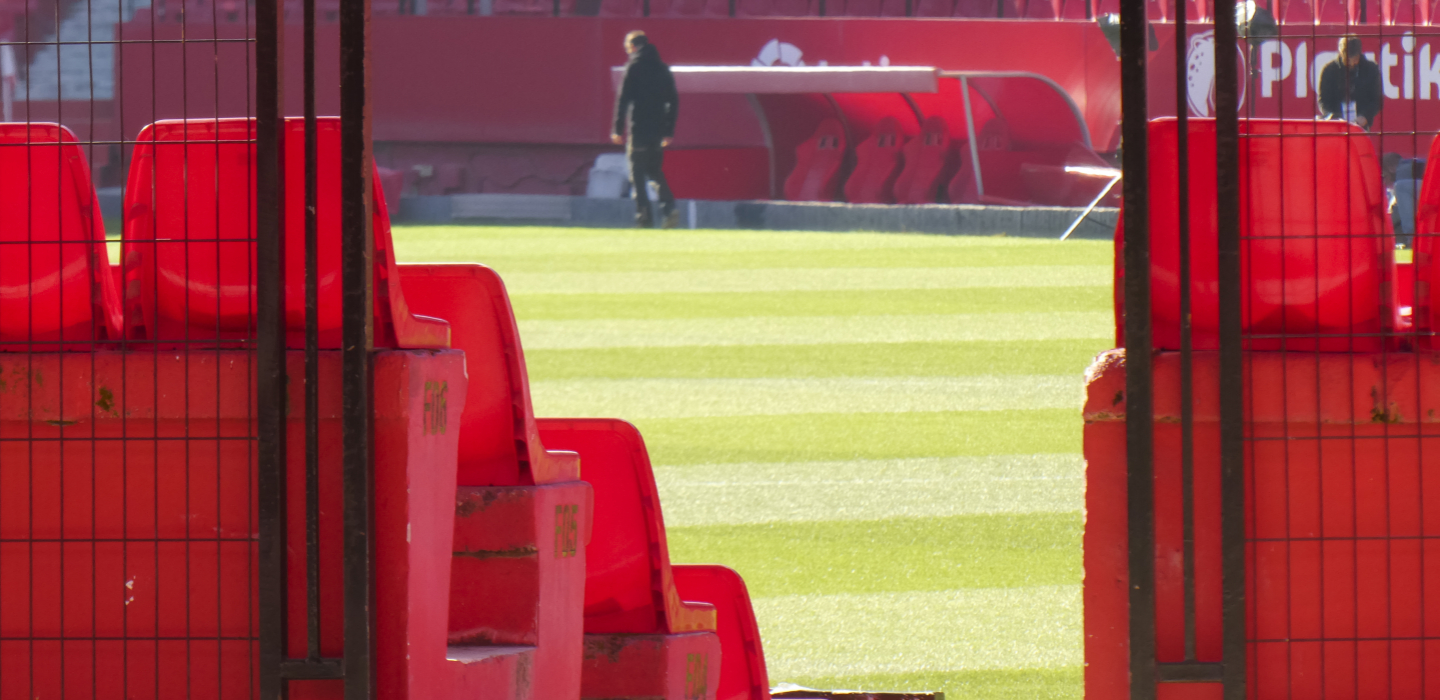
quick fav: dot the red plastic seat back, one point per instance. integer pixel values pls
(927, 159)
(496, 424)
(1315, 243)
(742, 660)
(190, 229)
(877, 164)
(628, 582)
(55, 279)
(817, 165)
(934, 8)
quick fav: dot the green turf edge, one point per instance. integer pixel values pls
(896, 555)
(1014, 684)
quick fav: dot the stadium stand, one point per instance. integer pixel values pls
(644, 640)
(928, 159)
(1328, 248)
(877, 163)
(49, 232)
(177, 228)
(818, 161)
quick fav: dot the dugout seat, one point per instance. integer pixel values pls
(928, 158)
(816, 177)
(56, 285)
(189, 239)
(742, 660)
(1317, 271)
(877, 164)
(643, 639)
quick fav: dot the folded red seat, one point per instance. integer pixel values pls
(642, 639)
(1316, 250)
(816, 177)
(189, 239)
(742, 668)
(877, 164)
(56, 285)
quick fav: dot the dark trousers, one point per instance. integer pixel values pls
(646, 165)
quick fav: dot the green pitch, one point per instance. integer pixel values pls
(881, 432)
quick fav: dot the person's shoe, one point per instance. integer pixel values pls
(671, 220)
(644, 222)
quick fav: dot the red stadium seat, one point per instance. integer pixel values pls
(817, 165)
(1317, 270)
(622, 8)
(877, 164)
(928, 159)
(795, 8)
(1041, 9)
(500, 444)
(894, 8)
(856, 8)
(1334, 11)
(689, 8)
(975, 8)
(56, 283)
(934, 8)
(189, 239)
(742, 661)
(652, 639)
(1296, 12)
(530, 8)
(1074, 9)
(1426, 312)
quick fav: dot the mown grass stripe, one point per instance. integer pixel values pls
(845, 436)
(706, 398)
(998, 358)
(1017, 684)
(750, 493)
(810, 330)
(894, 554)
(779, 279)
(812, 303)
(924, 631)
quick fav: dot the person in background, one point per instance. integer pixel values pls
(648, 105)
(1402, 179)
(1350, 88)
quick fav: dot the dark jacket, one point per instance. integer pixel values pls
(647, 103)
(1340, 84)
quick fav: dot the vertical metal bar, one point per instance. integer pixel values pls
(970, 134)
(1139, 412)
(1187, 380)
(357, 339)
(1232, 454)
(312, 347)
(270, 339)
